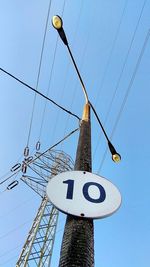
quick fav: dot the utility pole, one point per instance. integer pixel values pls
(78, 240)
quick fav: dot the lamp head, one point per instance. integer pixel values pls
(58, 25)
(116, 158)
(57, 22)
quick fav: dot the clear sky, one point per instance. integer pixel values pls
(111, 44)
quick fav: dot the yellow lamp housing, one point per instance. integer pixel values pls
(116, 158)
(57, 22)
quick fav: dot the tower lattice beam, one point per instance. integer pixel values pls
(38, 247)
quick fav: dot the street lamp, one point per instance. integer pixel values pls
(58, 25)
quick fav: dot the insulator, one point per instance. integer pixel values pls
(38, 146)
(26, 151)
(24, 168)
(12, 185)
(27, 160)
(15, 167)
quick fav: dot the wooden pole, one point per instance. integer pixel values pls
(77, 248)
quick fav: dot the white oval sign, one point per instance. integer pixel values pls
(83, 194)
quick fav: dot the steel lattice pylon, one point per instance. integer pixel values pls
(37, 250)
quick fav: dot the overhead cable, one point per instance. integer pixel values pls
(125, 62)
(127, 93)
(49, 84)
(82, 59)
(39, 71)
(10, 250)
(9, 260)
(122, 70)
(39, 93)
(41, 154)
(44, 110)
(111, 51)
(16, 208)
(54, 56)
(15, 229)
(6, 179)
(132, 80)
(15, 248)
(59, 142)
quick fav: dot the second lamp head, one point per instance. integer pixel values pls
(57, 22)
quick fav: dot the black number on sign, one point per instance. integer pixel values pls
(101, 191)
(70, 188)
(85, 190)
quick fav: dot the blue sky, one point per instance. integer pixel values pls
(107, 39)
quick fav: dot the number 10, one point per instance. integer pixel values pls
(85, 191)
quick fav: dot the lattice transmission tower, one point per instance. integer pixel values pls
(38, 247)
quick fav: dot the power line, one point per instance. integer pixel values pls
(111, 51)
(6, 179)
(49, 84)
(83, 56)
(16, 207)
(39, 71)
(41, 154)
(127, 93)
(44, 110)
(59, 142)
(63, 8)
(122, 70)
(18, 246)
(9, 260)
(9, 251)
(15, 229)
(125, 62)
(39, 93)
(132, 80)
(63, 87)
(7, 173)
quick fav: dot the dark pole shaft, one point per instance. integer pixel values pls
(78, 240)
